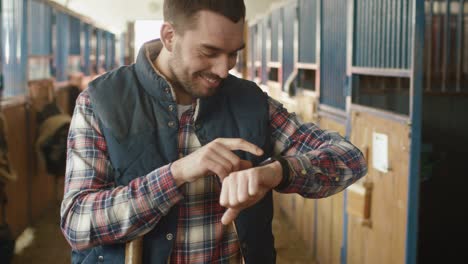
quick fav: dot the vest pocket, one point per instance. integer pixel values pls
(138, 156)
(84, 257)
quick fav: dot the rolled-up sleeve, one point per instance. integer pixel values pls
(321, 162)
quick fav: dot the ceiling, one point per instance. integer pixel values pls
(113, 15)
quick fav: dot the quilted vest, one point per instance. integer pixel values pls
(133, 105)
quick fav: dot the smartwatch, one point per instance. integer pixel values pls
(286, 180)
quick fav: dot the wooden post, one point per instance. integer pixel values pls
(134, 251)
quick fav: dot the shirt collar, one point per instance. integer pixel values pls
(151, 79)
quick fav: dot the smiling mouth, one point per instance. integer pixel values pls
(214, 81)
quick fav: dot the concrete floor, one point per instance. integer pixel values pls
(49, 246)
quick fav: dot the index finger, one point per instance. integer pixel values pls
(240, 144)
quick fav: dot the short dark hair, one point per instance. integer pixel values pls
(181, 13)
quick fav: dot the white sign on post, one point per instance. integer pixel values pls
(380, 152)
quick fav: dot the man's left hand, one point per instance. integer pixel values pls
(245, 188)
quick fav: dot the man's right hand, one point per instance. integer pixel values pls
(215, 158)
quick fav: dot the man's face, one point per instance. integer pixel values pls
(202, 56)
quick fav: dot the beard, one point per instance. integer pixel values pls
(190, 83)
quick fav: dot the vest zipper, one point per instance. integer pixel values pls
(239, 242)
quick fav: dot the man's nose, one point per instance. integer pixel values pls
(221, 67)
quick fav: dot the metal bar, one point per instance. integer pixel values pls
(361, 37)
(388, 38)
(397, 118)
(438, 43)
(307, 66)
(87, 49)
(373, 29)
(334, 111)
(464, 77)
(24, 48)
(399, 24)
(403, 24)
(409, 34)
(349, 63)
(417, 53)
(365, 28)
(315, 236)
(280, 48)
(383, 49)
(333, 37)
(338, 119)
(344, 250)
(350, 36)
(378, 34)
(264, 51)
(381, 72)
(274, 64)
(342, 41)
(461, 5)
(318, 47)
(62, 49)
(252, 51)
(446, 46)
(98, 49)
(429, 48)
(393, 35)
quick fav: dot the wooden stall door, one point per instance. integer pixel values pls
(381, 238)
(330, 214)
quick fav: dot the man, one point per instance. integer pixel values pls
(173, 149)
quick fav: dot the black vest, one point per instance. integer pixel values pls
(132, 105)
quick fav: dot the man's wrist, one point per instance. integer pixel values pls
(175, 174)
(278, 175)
(286, 178)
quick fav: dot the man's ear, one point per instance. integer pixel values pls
(167, 35)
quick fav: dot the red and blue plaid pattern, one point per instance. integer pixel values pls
(96, 211)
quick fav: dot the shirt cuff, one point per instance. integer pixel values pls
(301, 172)
(164, 189)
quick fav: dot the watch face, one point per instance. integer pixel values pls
(267, 161)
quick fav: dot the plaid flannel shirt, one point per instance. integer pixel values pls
(96, 211)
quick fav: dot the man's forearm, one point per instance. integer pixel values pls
(325, 171)
(96, 216)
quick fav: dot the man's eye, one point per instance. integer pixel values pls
(209, 54)
(233, 55)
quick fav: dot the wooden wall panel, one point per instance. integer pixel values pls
(324, 230)
(298, 210)
(62, 99)
(33, 191)
(337, 227)
(384, 241)
(41, 93)
(330, 229)
(330, 124)
(330, 214)
(43, 184)
(308, 107)
(308, 224)
(17, 191)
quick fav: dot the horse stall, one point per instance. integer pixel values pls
(444, 132)
(384, 113)
(296, 35)
(386, 75)
(331, 116)
(282, 61)
(49, 47)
